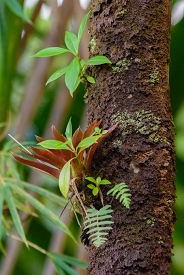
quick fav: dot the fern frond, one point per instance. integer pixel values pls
(122, 192)
(97, 222)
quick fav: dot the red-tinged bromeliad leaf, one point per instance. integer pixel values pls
(81, 148)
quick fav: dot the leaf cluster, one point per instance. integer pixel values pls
(121, 192)
(97, 182)
(66, 157)
(97, 224)
(75, 72)
(15, 197)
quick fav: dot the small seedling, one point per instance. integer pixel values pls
(96, 186)
(75, 72)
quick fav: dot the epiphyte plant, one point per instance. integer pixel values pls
(68, 158)
(96, 184)
(75, 72)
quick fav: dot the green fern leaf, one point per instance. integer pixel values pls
(97, 222)
(122, 192)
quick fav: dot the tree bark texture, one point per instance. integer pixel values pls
(134, 91)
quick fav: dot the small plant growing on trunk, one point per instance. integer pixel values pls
(68, 158)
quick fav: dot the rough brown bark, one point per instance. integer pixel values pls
(135, 36)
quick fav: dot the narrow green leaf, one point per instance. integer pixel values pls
(90, 79)
(2, 248)
(71, 42)
(82, 27)
(90, 186)
(39, 190)
(71, 76)
(86, 142)
(68, 132)
(42, 209)
(54, 145)
(1, 203)
(14, 213)
(64, 179)
(12, 169)
(91, 179)
(62, 265)
(16, 8)
(95, 191)
(105, 182)
(57, 74)
(105, 217)
(74, 261)
(98, 60)
(51, 51)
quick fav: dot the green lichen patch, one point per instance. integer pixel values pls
(121, 65)
(160, 241)
(154, 76)
(142, 122)
(117, 143)
(151, 221)
(92, 44)
(123, 11)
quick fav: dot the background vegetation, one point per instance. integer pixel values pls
(28, 107)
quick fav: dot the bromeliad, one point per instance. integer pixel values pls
(67, 158)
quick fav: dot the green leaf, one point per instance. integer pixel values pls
(98, 60)
(90, 186)
(121, 190)
(91, 179)
(82, 27)
(77, 83)
(74, 261)
(86, 142)
(62, 262)
(2, 249)
(82, 62)
(98, 180)
(51, 51)
(16, 8)
(68, 132)
(97, 224)
(14, 213)
(51, 196)
(42, 209)
(54, 144)
(71, 76)
(95, 191)
(1, 203)
(90, 79)
(57, 74)
(105, 182)
(64, 179)
(71, 42)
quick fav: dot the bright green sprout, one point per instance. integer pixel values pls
(75, 72)
(97, 182)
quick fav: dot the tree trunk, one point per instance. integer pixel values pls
(134, 91)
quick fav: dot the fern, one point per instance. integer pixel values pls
(97, 223)
(122, 192)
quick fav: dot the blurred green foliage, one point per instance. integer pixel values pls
(16, 70)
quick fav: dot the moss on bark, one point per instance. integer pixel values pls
(135, 36)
